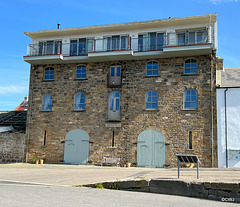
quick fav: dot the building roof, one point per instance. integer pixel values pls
(230, 77)
(23, 106)
(16, 120)
(169, 22)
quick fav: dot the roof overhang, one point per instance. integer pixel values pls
(170, 22)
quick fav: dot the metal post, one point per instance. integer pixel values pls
(178, 168)
(197, 169)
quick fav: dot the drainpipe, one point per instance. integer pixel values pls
(226, 138)
(29, 115)
(211, 105)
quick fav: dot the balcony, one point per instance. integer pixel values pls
(122, 48)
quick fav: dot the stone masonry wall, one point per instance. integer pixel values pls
(170, 118)
(12, 147)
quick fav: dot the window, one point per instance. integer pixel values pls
(81, 46)
(47, 102)
(192, 37)
(150, 41)
(197, 37)
(113, 144)
(50, 47)
(190, 66)
(156, 41)
(151, 100)
(45, 138)
(114, 111)
(49, 73)
(152, 68)
(190, 99)
(190, 140)
(118, 42)
(114, 101)
(79, 102)
(181, 38)
(81, 72)
(115, 75)
(201, 37)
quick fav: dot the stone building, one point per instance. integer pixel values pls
(140, 91)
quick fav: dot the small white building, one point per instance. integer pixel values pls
(228, 118)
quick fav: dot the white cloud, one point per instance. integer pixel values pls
(222, 1)
(13, 89)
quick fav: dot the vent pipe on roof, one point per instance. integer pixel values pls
(25, 99)
(58, 26)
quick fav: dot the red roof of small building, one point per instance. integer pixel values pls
(23, 106)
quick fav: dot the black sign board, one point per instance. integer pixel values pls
(188, 159)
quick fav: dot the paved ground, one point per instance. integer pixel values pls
(15, 194)
(69, 175)
(51, 185)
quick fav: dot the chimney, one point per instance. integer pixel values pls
(58, 26)
(25, 99)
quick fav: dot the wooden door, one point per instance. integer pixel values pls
(151, 149)
(76, 147)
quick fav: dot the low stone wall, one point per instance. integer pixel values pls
(229, 192)
(134, 185)
(12, 147)
(207, 190)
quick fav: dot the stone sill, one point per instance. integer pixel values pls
(150, 110)
(80, 79)
(189, 150)
(154, 76)
(48, 80)
(78, 110)
(190, 110)
(46, 111)
(190, 75)
(112, 147)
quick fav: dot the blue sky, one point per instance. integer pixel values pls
(17, 17)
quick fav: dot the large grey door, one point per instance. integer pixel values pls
(76, 147)
(151, 149)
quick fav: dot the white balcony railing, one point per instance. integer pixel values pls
(118, 43)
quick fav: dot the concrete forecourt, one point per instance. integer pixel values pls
(36, 181)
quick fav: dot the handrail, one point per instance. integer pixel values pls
(119, 43)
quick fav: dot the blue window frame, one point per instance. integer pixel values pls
(114, 101)
(190, 66)
(151, 100)
(152, 68)
(190, 99)
(115, 71)
(79, 101)
(49, 73)
(81, 72)
(47, 102)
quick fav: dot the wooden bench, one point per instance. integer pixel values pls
(110, 160)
